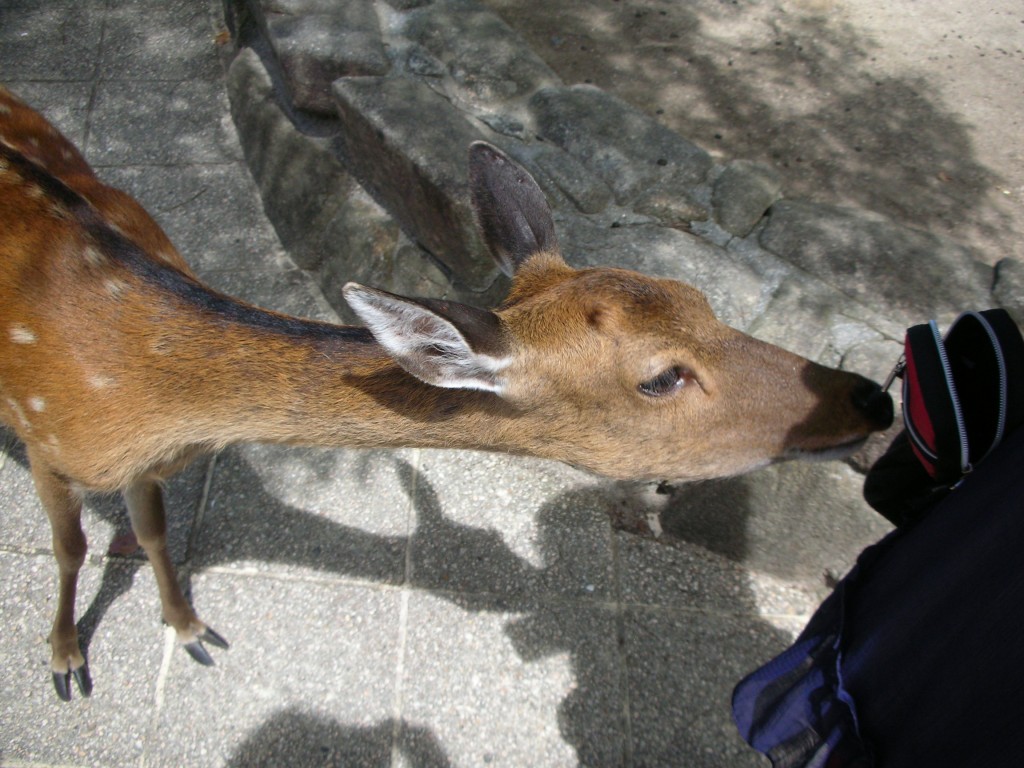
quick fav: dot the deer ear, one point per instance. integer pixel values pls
(511, 209)
(439, 342)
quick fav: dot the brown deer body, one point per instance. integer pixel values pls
(117, 365)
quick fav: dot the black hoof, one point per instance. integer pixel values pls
(198, 652)
(213, 638)
(62, 682)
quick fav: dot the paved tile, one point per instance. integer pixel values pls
(161, 123)
(508, 526)
(22, 517)
(124, 642)
(682, 668)
(52, 41)
(677, 575)
(307, 511)
(592, 716)
(297, 736)
(305, 657)
(763, 520)
(211, 212)
(160, 41)
(504, 688)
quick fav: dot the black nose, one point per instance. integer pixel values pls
(874, 403)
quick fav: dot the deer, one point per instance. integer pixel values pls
(118, 366)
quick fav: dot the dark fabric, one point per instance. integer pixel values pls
(917, 658)
(898, 487)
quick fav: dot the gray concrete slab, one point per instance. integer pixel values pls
(762, 519)
(211, 213)
(680, 576)
(307, 512)
(21, 515)
(174, 122)
(123, 641)
(321, 649)
(508, 526)
(55, 41)
(501, 687)
(174, 44)
(682, 667)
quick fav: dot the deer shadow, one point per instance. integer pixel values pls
(676, 670)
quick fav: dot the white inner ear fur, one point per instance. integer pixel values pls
(426, 345)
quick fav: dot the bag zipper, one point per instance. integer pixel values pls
(912, 433)
(965, 456)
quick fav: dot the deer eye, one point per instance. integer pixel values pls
(665, 383)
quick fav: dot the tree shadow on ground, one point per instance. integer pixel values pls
(798, 90)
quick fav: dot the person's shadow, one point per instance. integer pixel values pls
(293, 737)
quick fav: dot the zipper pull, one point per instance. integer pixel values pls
(896, 372)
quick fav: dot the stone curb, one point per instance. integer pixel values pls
(837, 284)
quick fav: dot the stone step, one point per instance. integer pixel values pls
(626, 191)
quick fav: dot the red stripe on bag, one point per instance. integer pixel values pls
(917, 412)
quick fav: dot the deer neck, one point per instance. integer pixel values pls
(306, 383)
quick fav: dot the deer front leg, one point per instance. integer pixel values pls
(64, 508)
(146, 510)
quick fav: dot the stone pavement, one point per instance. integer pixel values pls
(413, 607)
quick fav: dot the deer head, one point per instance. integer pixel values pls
(627, 375)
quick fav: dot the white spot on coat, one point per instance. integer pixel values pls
(37, 404)
(100, 381)
(92, 256)
(20, 334)
(115, 287)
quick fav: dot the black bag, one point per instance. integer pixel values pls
(961, 395)
(915, 660)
